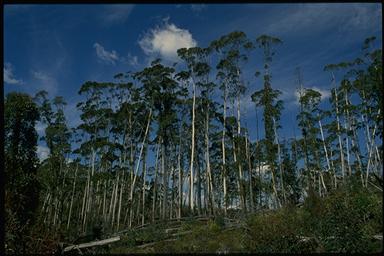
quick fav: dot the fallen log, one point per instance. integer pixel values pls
(91, 244)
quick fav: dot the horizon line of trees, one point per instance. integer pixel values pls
(204, 160)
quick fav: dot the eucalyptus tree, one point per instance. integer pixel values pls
(57, 136)
(308, 118)
(161, 91)
(267, 98)
(184, 107)
(95, 122)
(362, 78)
(222, 76)
(369, 85)
(197, 74)
(232, 50)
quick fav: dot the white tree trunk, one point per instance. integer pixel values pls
(73, 194)
(192, 149)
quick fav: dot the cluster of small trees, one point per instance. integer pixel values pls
(202, 160)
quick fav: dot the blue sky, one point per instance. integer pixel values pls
(59, 47)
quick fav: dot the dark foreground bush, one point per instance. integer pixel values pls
(345, 221)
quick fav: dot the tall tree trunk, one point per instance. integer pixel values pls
(173, 193)
(138, 164)
(73, 194)
(104, 202)
(339, 137)
(122, 186)
(180, 179)
(115, 201)
(144, 177)
(239, 187)
(239, 163)
(165, 182)
(210, 192)
(155, 182)
(324, 146)
(371, 148)
(192, 148)
(224, 173)
(279, 159)
(251, 200)
(198, 179)
(346, 127)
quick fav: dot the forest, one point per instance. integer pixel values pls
(168, 144)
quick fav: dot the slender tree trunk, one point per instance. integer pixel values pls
(198, 179)
(73, 194)
(239, 187)
(251, 200)
(155, 183)
(192, 148)
(210, 192)
(144, 178)
(242, 190)
(120, 201)
(279, 159)
(115, 202)
(138, 165)
(355, 144)
(180, 181)
(325, 148)
(371, 148)
(104, 202)
(223, 151)
(173, 193)
(165, 181)
(339, 137)
(112, 201)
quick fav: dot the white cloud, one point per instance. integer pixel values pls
(166, 40)
(117, 13)
(42, 152)
(106, 56)
(131, 60)
(47, 82)
(9, 77)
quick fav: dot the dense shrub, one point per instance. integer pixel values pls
(346, 220)
(276, 232)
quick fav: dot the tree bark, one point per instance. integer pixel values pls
(192, 148)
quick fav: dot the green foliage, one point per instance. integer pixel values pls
(345, 221)
(275, 232)
(22, 186)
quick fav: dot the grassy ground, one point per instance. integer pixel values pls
(345, 222)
